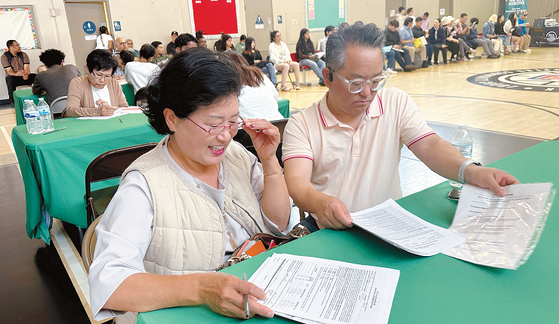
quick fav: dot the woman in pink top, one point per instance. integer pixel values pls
(97, 93)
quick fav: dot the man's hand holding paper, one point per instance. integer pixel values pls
(489, 178)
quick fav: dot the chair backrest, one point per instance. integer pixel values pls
(110, 165)
(88, 244)
(294, 57)
(243, 138)
(58, 105)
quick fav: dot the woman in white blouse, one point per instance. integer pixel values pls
(281, 57)
(259, 97)
(510, 25)
(182, 208)
(104, 40)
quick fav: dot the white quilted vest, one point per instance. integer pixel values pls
(188, 227)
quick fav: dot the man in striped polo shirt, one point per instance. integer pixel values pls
(341, 154)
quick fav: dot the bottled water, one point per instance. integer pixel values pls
(32, 118)
(45, 116)
(462, 140)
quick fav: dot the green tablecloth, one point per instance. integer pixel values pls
(19, 99)
(21, 95)
(437, 289)
(283, 107)
(53, 165)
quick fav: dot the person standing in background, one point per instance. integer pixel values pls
(425, 22)
(171, 47)
(104, 40)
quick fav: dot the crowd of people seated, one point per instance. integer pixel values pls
(408, 35)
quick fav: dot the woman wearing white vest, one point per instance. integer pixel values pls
(182, 208)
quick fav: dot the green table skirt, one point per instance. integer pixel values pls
(53, 165)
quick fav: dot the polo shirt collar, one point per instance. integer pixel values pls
(328, 119)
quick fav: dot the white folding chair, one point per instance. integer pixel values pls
(58, 106)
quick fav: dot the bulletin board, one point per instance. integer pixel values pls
(18, 23)
(214, 17)
(321, 13)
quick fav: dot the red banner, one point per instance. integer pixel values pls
(215, 16)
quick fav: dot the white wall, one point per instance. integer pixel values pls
(52, 32)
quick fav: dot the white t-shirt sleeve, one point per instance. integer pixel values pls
(123, 237)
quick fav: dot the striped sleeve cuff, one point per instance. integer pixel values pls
(417, 139)
(297, 156)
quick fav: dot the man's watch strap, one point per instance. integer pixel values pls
(461, 178)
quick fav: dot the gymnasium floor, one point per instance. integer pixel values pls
(34, 287)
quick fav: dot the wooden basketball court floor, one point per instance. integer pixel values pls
(34, 286)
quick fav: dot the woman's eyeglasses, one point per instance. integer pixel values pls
(101, 76)
(218, 129)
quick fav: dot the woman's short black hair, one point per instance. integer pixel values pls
(102, 29)
(126, 56)
(101, 59)
(191, 80)
(52, 57)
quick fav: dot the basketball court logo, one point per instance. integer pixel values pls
(528, 80)
(551, 36)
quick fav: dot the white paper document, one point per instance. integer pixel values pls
(392, 223)
(501, 231)
(118, 112)
(313, 290)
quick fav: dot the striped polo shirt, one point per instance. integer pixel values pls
(358, 166)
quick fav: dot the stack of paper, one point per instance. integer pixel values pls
(403, 229)
(313, 290)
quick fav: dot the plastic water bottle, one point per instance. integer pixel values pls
(31, 115)
(462, 140)
(45, 116)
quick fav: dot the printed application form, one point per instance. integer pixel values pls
(313, 290)
(392, 223)
(501, 232)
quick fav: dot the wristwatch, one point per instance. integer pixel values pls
(461, 178)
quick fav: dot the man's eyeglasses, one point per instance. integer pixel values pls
(15, 45)
(218, 129)
(122, 43)
(101, 76)
(357, 85)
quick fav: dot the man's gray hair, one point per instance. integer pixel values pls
(368, 35)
